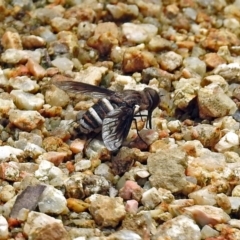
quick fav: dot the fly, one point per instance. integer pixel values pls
(114, 112)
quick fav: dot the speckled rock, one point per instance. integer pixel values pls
(106, 211)
(229, 71)
(136, 59)
(213, 102)
(215, 79)
(131, 190)
(181, 227)
(167, 168)
(9, 153)
(170, 61)
(26, 120)
(185, 91)
(44, 226)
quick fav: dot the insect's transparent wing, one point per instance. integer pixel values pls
(116, 126)
(83, 88)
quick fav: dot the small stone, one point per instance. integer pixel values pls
(11, 40)
(167, 168)
(59, 24)
(106, 211)
(33, 41)
(170, 61)
(24, 83)
(224, 202)
(54, 157)
(131, 190)
(77, 205)
(139, 33)
(27, 101)
(77, 145)
(185, 91)
(215, 79)
(220, 37)
(106, 35)
(26, 120)
(9, 153)
(234, 204)
(196, 65)
(131, 206)
(92, 75)
(228, 71)
(136, 59)
(213, 102)
(124, 234)
(204, 196)
(85, 30)
(56, 97)
(204, 215)
(35, 69)
(227, 142)
(45, 227)
(212, 60)
(4, 233)
(9, 171)
(151, 198)
(157, 43)
(6, 193)
(208, 232)
(52, 201)
(236, 191)
(63, 64)
(185, 227)
(123, 11)
(82, 165)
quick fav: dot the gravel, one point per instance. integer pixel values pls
(182, 182)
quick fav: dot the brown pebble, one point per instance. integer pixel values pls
(212, 60)
(77, 205)
(11, 40)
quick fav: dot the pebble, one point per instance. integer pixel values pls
(82, 165)
(106, 211)
(138, 33)
(151, 198)
(167, 169)
(11, 40)
(227, 142)
(10, 171)
(215, 79)
(77, 205)
(32, 41)
(9, 153)
(7, 192)
(63, 64)
(27, 101)
(204, 215)
(52, 201)
(213, 102)
(196, 65)
(131, 206)
(170, 61)
(131, 190)
(44, 226)
(4, 233)
(26, 120)
(35, 69)
(136, 59)
(24, 83)
(208, 232)
(181, 227)
(122, 10)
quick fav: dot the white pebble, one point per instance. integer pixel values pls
(3, 228)
(63, 64)
(228, 141)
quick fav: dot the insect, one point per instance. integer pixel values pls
(114, 112)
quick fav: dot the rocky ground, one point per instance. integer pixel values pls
(56, 184)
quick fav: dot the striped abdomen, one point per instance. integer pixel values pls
(93, 117)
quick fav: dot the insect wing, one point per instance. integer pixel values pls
(116, 126)
(83, 88)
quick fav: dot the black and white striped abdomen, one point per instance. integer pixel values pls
(92, 119)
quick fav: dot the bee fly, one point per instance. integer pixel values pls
(114, 112)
